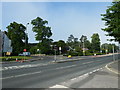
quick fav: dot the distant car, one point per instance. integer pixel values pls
(24, 54)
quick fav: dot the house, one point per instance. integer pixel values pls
(5, 43)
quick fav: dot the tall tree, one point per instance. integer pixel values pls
(16, 32)
(72, 42)
(112, 21)
(86, 42)
(43, 34)
(70, 39)
(95, 42)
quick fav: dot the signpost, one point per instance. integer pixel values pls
(60, 50)
(25, 53)
(113, 54)
(55, 49)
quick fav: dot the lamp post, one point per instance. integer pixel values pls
(26, 35)
(25, 41)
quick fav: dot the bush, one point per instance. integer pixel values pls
(88, 53)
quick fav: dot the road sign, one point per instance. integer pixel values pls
(60, 48)
(8, 53)
(24, 50)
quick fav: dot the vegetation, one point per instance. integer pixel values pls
(13, 58)
(73, 46)
(43, 34)
(16, 32)
(95, 43)
(112, 21)
(108, 48)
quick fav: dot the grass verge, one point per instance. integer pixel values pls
(13, 58)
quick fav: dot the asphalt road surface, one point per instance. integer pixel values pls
(42, 74)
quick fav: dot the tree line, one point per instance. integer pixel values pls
(74, 46)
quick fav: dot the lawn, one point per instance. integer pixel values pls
(13, 58)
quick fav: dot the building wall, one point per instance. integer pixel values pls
(5, 43)
(1, 42)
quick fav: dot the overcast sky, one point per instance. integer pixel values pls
(64, 18)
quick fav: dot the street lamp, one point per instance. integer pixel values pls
(26, 35)
(25, 41)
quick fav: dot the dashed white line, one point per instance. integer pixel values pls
(74, 80)
(21, 75)
(88, 62)
(58, 86)
(66, 67)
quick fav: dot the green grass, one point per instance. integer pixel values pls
(13, 58)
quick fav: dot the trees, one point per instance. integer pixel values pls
(16, 32)
(112, 21)
(63, 46)
(42, 31)
(86, 42)
(72, 42)
(95, 43)
(108, 48)
(43, 34)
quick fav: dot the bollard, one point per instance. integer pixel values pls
(16, 60)
(22, 60)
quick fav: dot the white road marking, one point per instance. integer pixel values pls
(66, 67)
(116, 72)
(74, 80)
(58, 86)
(22, 66)
(88, 62)
(21, 75)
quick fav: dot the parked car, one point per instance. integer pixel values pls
(24, 54)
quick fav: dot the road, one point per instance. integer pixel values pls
(47, 74)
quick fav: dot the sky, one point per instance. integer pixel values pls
(64, 18)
